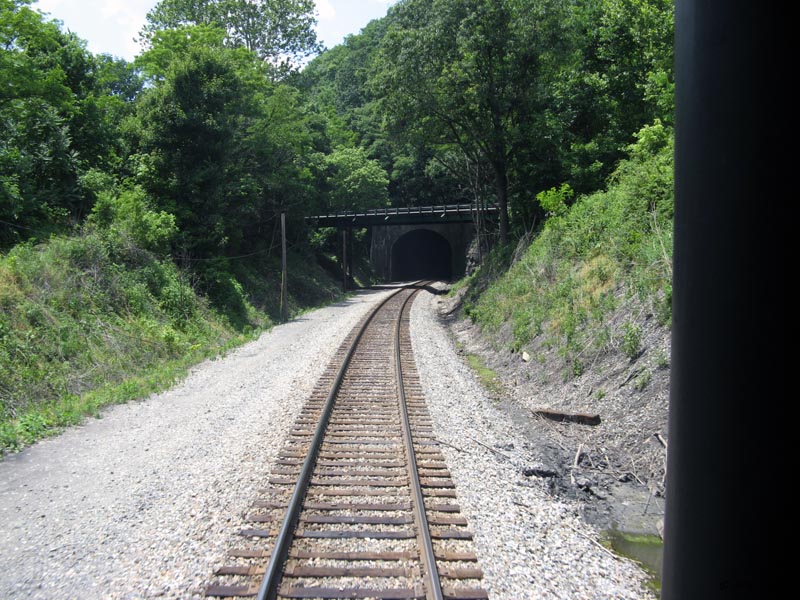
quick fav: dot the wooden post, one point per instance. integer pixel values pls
(284, 272)
(344, 259)
(349, 235)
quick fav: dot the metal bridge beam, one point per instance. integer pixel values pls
(407, 215)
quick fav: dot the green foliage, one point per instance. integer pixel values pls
(96, 318)
(129, 215)
(554, 201)
(224, 151)
(565, 283)
(192, 150)
(169, 45)
(486, 375)
(631, 345)
(82, 312)
(58, 109)
(464, 75)
(528, 94)
(355, 181)
(279, 32)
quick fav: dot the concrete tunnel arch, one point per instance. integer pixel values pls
(421, 254)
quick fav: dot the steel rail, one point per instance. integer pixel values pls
(431, 573)
(269, 585)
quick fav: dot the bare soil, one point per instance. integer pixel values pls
(615, 469)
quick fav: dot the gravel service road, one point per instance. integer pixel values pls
(141, 503)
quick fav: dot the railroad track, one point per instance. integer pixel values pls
(360, 503)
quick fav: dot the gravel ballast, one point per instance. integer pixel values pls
(530, 544)
(140, 503)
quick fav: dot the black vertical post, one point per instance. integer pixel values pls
(284, 273)
(726, 353)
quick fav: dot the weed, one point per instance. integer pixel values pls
(631, 341)
(488, 377)
(577, 367)
(642, 380)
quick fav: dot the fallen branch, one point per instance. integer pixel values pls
(562, 417)
(577, 456)
(575, 464)
(450, 446)
(495, 450)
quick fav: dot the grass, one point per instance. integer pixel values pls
(96, 319)
(488, 377)
(585, 260)
(49, 418)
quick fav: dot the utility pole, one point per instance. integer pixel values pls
(344, 259)
(284, 273)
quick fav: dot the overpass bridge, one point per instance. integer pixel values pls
(413, 242)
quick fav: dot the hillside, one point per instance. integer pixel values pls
(579, 324)
(105, 316)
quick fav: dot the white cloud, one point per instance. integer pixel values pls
(325, 10)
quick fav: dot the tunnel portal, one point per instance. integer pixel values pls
(421, 254)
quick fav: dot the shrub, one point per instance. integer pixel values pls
(631, 340)
(129, 215)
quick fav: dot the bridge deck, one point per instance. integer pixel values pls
(407, 215)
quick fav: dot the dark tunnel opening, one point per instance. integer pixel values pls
(421, 254)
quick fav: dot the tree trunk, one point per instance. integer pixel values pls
(501, 183)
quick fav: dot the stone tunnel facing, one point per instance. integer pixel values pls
(421, 254)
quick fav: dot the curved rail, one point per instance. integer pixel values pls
(269, 585)
(433, 584)
(361, 463)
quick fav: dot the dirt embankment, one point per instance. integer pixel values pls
(617, 467)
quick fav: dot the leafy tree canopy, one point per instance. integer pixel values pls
(58, 110)
(280, 32)
(356, 182)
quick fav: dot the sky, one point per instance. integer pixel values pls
(110, 26)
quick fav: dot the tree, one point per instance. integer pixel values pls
(356, 182)
(618, 79)
(466, 74)
(169, 45)
(190, 145)
(221, 148)
(57, 119)
(280, 32)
